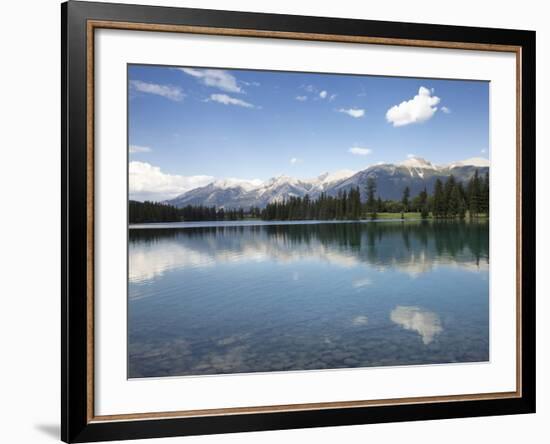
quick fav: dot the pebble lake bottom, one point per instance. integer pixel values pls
(225, 298)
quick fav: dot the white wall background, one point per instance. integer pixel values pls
(30, 207)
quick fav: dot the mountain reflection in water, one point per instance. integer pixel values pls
(232, 299)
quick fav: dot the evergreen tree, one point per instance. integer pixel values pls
(424, 212)
(307, 207)
(462, 192)
(146, 212)
(417, 202)
(405, 199)
(448, 188)
(438, 199)
(461, 206)
(371, 200)
(453, 205)
(424, 197)
(355, 203)
(474, 188)
(339, 209)
(484, 194)
(345, 208)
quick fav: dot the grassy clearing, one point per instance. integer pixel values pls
(397, 216)
(414, 215)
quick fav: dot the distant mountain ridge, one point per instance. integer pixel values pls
(391, 179)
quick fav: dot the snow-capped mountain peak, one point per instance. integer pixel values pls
(479, 162)
(335, 176)
(418, 162)
(416, 173)
(280, 180)
(231, 182)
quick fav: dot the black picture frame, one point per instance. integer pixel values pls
(76, 423)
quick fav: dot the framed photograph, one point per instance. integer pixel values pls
(275, 221)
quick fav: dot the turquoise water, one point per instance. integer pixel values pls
(222, 298)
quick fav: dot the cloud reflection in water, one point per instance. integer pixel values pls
(426, 323)
(226, 299)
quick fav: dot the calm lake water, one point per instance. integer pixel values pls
(276, 297)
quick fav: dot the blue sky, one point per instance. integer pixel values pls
(196, 122)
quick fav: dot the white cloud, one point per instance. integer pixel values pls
(360, 151)
(317, 94)
(411, 156)
(216, 78)
(148, 182)
(295, 160)
(228, 100)
(244, 82)
(170, 92)
(420, 108)
(139, 149)
(446, 110)
(301, 98)
(483, 151)
(353, 112)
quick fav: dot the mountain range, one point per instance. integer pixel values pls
(391, 180)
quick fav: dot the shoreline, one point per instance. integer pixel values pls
(259, 222)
